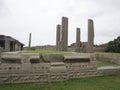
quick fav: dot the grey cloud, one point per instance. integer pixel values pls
(41, 16)
(4, 10)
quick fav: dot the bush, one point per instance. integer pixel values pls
(114, 46)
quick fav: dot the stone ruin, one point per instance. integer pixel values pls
(21, 68)
(24, 68)
(62, 37)
(90, 36)
(8, 44)
(29, 44)
(77, 49)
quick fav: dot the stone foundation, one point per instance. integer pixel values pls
(24, 68)
(20, 77)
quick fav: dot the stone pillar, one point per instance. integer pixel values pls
(84, 47)
(60, 45)
(29, 41)
(64, 33)
(90, 36)
(58, 36)
(7, 45)
(77, 40)
(25, 63)
(16, 46)
(0, 54)
(13, 46)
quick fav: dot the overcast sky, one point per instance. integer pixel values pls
(20, 17)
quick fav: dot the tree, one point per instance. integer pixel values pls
(114, 46)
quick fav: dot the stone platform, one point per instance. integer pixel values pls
(24, 68)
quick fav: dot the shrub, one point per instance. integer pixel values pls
(114, 46)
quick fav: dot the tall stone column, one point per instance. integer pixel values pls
(90, 36)
(29, 45)
(58, 36)
(64, 33)
(77, 40)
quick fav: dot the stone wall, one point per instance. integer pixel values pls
(26, 77)
(111, 57)
(24, 68)
(99, 49)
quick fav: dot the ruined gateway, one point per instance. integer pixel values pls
(22, 68)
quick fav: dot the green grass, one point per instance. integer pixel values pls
(96, 83)
(48, 52)
(99, 63)
(106, 63)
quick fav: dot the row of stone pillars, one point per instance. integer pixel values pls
(62, 37)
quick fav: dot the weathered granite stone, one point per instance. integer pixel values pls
(60, 45)
(84, 47)
(7, 45)
(30, 40)
(64, 33)
(58, 36)
(26, 65)
(109, 57)
(78, 40)
(53, 57)
(90, 36)
(57, 67)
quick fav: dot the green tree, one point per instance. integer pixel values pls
(114, 46)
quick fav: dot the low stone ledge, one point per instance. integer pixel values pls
(111, 57)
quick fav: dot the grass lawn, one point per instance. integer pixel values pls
(96, 83)
(99, 63)
(106, 63)
(48, 52)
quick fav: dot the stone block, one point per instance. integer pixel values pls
(53, 57)
(58, 67)
(25, 63)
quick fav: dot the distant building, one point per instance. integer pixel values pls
(8, 44)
